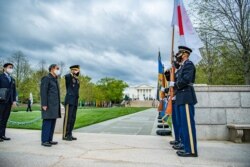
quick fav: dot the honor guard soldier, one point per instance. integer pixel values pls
(185, 101)
(71, 102)
(7, 98)
(177, 143)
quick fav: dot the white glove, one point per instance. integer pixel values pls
(162, 89)
(171, 84)
(174, 98)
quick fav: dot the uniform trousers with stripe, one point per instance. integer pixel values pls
(188, 130)
(48, 129)
(176, 123)
(69, 120)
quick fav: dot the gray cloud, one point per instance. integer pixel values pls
(111, 38)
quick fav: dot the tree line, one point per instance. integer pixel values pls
(224, 26)
(106, 90)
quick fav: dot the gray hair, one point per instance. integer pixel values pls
(52, 66)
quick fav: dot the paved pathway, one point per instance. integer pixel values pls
(141, 123)
(102, 145)
(112, 150)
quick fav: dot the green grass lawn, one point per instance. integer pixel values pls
(85, 117)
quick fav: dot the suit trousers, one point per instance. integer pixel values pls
(69, 120)
(48, 129)
(4, 116)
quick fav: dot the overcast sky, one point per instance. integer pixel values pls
(113, 38)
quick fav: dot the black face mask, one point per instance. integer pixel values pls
(176, 64)
(76, 74)
(178, 57)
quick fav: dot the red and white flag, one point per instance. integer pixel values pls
(188, 35)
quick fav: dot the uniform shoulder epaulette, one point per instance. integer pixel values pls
(188, 62)
(67, 75)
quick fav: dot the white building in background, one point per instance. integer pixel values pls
(141, 92)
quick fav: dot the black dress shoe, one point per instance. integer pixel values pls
(180, 151)
(1, 140)
(73, 138)
(67, 138)
(53, 142)
(185, 154)
(5, 138)
(46, 144)
(174, 142)
(162, 126)
(178, 147)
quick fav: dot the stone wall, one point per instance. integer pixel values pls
(218, 106)
(138, 103)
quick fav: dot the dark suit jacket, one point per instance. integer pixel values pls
(4, 83)
(185, 79)
(50, 97)
(72, 88)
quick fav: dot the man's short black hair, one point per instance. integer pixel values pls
(8, 64)
(52, 66)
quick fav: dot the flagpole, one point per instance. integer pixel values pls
(172, 73)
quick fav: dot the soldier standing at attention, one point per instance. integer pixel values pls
(50, 102)
(71, 102)
(185, 101)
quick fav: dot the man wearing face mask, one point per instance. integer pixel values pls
(71, 102)
(185, 101)
(50, 102)
(6, 81)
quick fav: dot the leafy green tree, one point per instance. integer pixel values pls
(86, 89)
(112, 89)
(227, 24)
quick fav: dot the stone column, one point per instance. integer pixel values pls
(59, 121)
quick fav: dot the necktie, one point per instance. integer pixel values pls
(9, 78)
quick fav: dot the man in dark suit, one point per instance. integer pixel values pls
(71, 102)
(185, 101)
(50, 102)
(6, 81)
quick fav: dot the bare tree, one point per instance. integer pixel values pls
(227, 23)
(21, 67)
(1, 65)
(42, 64)
(62, 67)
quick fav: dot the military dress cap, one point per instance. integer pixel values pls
(185, 49)
(7, 64)
(74, 67)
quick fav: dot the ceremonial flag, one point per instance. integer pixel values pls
(160, 77)
(161, 83)
(188, 35)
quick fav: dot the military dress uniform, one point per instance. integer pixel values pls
(185, 101)
(71, 103)
(177, 143)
